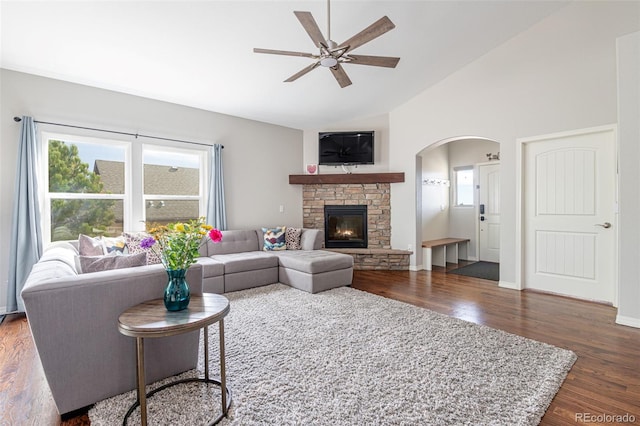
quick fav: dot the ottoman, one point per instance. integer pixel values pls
(314, 270)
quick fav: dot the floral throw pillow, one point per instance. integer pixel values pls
(133, 240)
(292, 238)
(274, 238)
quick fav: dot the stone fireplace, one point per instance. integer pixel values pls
(372, 196)
(368, 191)
(345, 226)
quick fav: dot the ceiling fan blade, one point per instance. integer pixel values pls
(284, 52)
(374, 30)
(311, 27)
(302, 72)
(376, 61)
(341, 76)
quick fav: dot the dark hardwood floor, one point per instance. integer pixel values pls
(605, 380)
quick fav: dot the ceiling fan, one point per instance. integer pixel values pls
(333, 55)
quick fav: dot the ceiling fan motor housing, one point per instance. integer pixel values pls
(328, 61)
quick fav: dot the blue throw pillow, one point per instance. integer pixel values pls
(274, 238)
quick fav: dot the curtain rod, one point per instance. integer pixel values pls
(136, 135)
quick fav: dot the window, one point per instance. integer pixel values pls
(93, 187)
(172, 186)
(464, 186)
(79, 198)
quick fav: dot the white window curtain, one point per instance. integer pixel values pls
(26, 234)
(216, 209)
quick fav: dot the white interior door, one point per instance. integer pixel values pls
(569, 214)
(489, 212)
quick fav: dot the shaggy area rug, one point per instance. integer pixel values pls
(346, 357)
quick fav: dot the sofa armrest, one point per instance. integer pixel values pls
(311, 239)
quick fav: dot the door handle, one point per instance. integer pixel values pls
(605, 225)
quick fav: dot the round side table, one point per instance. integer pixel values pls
(151, 319)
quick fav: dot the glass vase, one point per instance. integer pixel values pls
(176, 294)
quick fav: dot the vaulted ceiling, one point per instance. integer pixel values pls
(200, 53)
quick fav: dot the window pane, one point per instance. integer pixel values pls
(464, 187)
(85, 168)
(171, 173)
(69, 218)
(161, 212)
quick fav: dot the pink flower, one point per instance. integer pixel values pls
(215, 235)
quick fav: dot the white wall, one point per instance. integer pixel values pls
(258, 157)
(629, 135)
(435, 198)
(558, 75)
(379, 124)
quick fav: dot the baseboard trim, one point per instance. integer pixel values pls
(415, 268)
(628, 321)
(508, 284)
(3, 311)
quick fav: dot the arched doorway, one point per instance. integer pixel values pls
(448, 197)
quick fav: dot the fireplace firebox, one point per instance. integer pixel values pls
(345, 226)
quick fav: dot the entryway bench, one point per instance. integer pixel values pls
(439, 252)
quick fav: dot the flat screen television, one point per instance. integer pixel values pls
(337, 148)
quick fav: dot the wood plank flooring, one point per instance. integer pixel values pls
(605, 380)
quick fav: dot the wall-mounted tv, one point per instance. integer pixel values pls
(337, 148)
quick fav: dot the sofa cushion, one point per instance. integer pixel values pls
(274, 238)
(248, 261)
(62, 252)
(105, 263)
(46, 271)
(311, 239)
(292, 238)
(210, 267)
(234, 241)
(314, 261)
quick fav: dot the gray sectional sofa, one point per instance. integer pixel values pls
(73, 317)
(238, 263)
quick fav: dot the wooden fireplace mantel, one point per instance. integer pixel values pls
(344, 178)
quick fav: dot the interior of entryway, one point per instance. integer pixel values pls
(448, 206)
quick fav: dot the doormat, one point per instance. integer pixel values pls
(483, 270)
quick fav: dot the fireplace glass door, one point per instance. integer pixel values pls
(345, 226)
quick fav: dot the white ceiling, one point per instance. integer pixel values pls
(200, 53)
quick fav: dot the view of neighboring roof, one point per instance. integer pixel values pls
(158, 180)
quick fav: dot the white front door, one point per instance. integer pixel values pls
(489, 212)
(569, 214)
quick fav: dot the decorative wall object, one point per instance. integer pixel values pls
(437, 182)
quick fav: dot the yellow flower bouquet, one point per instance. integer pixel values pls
(177, 244)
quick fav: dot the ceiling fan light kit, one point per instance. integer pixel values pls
(332, 55)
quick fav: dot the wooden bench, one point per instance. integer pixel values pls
(439, 252)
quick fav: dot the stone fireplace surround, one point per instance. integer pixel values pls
(321, 190)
